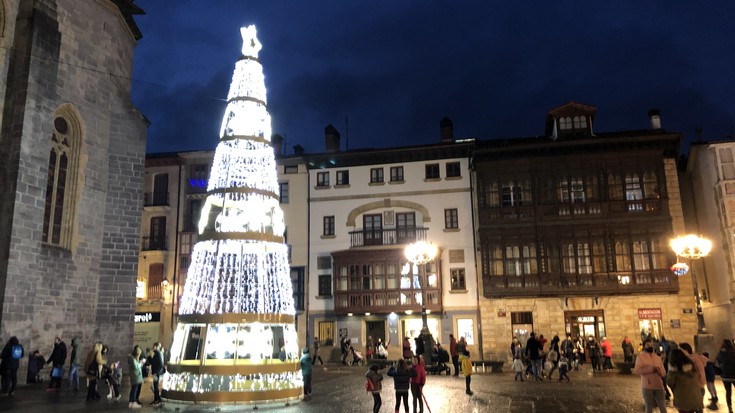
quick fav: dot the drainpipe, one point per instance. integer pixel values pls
(174, 301)
(473, 199)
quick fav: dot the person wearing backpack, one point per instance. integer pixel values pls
(9, 361)
(374, 384)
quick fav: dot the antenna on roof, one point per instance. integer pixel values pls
(347, 132)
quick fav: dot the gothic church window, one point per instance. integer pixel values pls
(63, 172)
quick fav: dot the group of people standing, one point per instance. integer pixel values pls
(677, 367)
(96, 366)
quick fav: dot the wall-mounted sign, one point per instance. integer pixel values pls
(676, 323)
(687, 311)
(649, 313)
(148, 317)
(501, 312)
(586, 319)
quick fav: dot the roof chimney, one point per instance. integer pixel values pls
(331, 138)
(446, 130)
(277, 143)
(298, 150)
(654, 116)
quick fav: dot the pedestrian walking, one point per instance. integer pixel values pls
(316, 355)
(375, 380)
(74, 364)
(467, 371)
(306, 364)
(401, 382)
(593, 352)
(417, 383)
(651, 369)
(553, 359)
(92, 365)
(454, 354)
(607, 353)
(9, 362)
(136, 378)
(533, 353)
(726, 360)
(57, 359)
(518, 367)
(709, 375)
(563, 368)
(683, 378)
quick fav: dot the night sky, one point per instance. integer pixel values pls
(392, 69)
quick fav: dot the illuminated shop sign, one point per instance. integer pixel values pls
(649, 313)
(147, 317)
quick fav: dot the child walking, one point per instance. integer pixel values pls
(563, 367)
(709, 374)
(401, 378)
(374, 376)
(518, 367)
(467, 371)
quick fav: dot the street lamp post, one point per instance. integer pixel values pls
(419, 254)
(692, 247)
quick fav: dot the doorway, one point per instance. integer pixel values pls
(585, 323)
(376, 329)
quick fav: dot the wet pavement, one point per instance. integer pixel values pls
(341, 389)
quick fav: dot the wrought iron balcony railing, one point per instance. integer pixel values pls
(384, 236)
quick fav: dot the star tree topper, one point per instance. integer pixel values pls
(250, 44)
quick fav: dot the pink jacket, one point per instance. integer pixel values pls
(651, 369)
(699, 362)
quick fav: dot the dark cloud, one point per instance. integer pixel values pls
(392, 70)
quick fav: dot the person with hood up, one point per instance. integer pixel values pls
(9, 362)
(417, 382)
(74, 364)
(683, 379)
(374, 376)
(651, 368)
(57, 360)
(306, 364)
(401, 381)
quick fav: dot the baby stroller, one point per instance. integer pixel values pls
(442, 358)
(357, 358)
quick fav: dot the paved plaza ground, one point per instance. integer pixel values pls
(341, 389)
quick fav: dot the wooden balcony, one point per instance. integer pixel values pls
(384, 302)
(392, 236)
(608, 209)
(656, 281)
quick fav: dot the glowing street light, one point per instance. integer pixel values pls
(420, 253)
(692, 247)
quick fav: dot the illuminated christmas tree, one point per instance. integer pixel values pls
(236, 340)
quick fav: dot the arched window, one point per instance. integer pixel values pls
(63, 173)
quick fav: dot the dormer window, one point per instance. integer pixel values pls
(580, 122)
(565, 123)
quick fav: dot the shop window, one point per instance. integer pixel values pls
(466, 329)
(521, 323)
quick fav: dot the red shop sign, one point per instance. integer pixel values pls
(649, 313)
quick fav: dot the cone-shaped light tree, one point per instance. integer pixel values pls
(235, 340)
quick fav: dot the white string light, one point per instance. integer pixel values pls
(235, 274)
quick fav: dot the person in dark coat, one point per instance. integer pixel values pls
(726, 360)
(9, 361)
(75, 362)
(533, 353)
(401, 381)
(35, 364)
(57, 360)
(628, 350)
(419, 341)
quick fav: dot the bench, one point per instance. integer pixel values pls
(625, 368)
(482, 366)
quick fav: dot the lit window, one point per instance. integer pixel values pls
(512, 195)
(565, 123)
(633, 192)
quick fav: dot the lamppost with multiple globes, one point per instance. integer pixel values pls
(692, 247)
(419, 254)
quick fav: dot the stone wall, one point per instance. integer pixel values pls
(87, 290)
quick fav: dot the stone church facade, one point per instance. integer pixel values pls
(72, 152)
